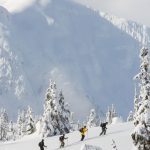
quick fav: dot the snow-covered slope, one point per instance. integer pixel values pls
(91, 60)
(138, 31)
(120, 133)
(14, 86)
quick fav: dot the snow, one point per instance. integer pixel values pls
(116, 120)
(74, 46)
(90, 147)
(4, 16)
(120, 133)
(138, 31)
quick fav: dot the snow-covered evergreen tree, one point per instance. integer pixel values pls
(79, 124)
(130, 117)
(109, 116)
(30, 124)
(73, 123)
(3, 125)
(141, 134)
(56, 113)
(12, 131)
(64, 113)
(136, 100)
(72, 118)
(21, 123)
(111, 113)
(92, 121)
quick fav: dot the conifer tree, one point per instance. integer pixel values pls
(92, 121)
(56, 113)
(30, 124)
(3, 125)
(111, 113)
(130, 117)
(12, 135)
(141, 133)
(64, 113)
(109, 116)
(21, 123)
(136, 101)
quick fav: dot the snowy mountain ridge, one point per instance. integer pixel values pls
(4, 16)
(8, 60)
(139, 32)
(70, 44)
(13, 83)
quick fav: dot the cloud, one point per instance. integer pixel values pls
(137, 10)
(16, 5)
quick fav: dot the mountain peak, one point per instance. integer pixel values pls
(137, 31)
(4, 16)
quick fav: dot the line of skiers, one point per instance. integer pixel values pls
(83, 132)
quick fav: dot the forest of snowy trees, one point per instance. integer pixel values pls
(57, 118)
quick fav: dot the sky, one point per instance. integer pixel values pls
(16, 5)
(136, 10)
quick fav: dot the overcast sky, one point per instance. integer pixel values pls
(137, 10)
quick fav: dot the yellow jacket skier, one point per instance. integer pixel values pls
(83, 132)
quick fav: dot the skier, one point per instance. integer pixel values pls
(83, 131)
(103, 126)
(61, 139)
(42, 145)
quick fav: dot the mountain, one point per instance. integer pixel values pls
(92, 60)
(139, 32)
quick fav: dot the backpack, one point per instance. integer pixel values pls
(102, 124)
(40, 144)
(81, 130)
(61, 138)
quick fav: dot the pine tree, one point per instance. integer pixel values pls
(56, 115)
(30, 124)
(73, 123)
(12, 135)
(21, 123)
(141, 133)
(92, 121)
(130, 117)
(109, 116)
(111, 113)
(136, 101)
(64, 113)
(3, 125)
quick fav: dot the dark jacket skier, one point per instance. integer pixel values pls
(104, 128)
(42, 145)
(61, 139)
(83, 131)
